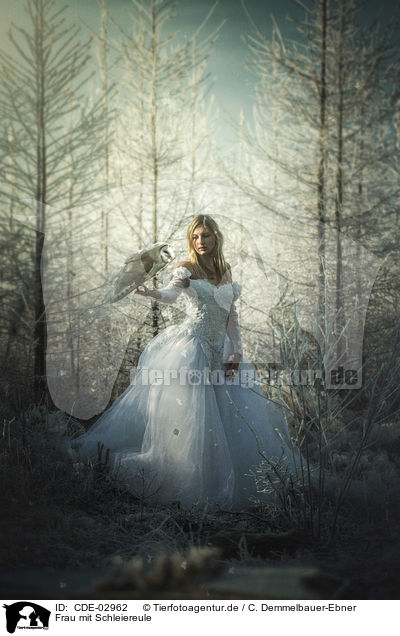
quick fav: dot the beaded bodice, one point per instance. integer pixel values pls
(208, 310)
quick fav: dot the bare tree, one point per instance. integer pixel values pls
(164, 92)
(334, 88)
(41, 98)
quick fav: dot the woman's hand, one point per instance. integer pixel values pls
(142, 290)
(232, 365)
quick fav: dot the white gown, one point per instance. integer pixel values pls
(181, 432)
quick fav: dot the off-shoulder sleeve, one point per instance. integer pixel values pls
(233, 327)
(178, 282)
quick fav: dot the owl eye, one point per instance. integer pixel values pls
(166, 254)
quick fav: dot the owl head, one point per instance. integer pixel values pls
(155, 258)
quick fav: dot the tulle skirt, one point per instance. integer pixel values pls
(182, 433)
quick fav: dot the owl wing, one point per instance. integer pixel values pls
(131, 276)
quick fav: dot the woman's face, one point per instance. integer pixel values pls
(203, 240)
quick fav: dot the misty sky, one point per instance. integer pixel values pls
(233, 82)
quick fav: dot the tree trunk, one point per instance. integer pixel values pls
(104, 87)
(340, 317)
(154, 305)
(321, 203)
(40, 387)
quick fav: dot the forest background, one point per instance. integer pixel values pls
(122, 120)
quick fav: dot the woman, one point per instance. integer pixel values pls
(189, 427)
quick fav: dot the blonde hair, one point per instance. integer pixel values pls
(220, 264)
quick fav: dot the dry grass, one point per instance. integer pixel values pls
(61, 514)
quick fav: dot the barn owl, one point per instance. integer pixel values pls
(141, 266)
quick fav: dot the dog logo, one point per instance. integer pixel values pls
(26, 615)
